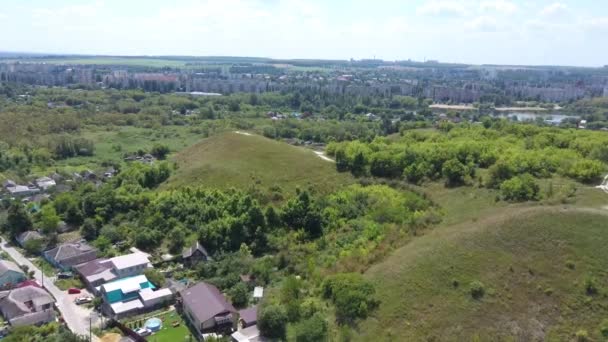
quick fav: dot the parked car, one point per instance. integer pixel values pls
(73, 290)
(83, 300)
(65, 275)
(143, 332)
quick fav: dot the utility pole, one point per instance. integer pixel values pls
(90, 330)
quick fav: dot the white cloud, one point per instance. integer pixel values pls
(442, 8)
(483, 24)
(502, 6)
(555, 9)
(597, 23)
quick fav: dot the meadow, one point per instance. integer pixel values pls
(240, 161)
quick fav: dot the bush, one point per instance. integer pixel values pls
(353, 296)
(313, 329)
(477, 289)
(240, 295)
(521, 188)
(604, 328)
(272, 321)
(591, 286)
(582, 335)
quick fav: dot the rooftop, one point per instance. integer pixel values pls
(6, 266)
(130, 260)
(205, 301)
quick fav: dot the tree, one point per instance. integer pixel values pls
(17, 219)
(353, 296)
(178, 240)
(49, 219)
(290, 297)
(33, 246)
(454, 172)
(89, 229)
(272, 321)
(313, 329)
(239, 295)
(160, 151)
(155, 277)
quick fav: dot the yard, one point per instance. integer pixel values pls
(64, 284)
(168, 333)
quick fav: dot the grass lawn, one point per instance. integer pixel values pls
(236, 160)
(168, 333)
(64, 284)
(533, 261)
(48, 269)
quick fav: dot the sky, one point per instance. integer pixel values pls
(469, 31)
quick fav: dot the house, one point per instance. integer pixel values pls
(70, 254)
(248, 317)
(207, 309)
(249, 334)
(100, 271)
(133, 295)
(45, 183)
(22, 190)
(28, 305)
(9, 184)
(10, 274)
(27, 236)
(194, 254)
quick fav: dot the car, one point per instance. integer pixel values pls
(65, 275)
(73, 290)
(83, 300)
(143, 332)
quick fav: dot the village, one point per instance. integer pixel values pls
(68, 282)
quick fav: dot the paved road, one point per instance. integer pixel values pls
(76, 317)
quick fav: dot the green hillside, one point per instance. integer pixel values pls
(543, 270)
(239, 160)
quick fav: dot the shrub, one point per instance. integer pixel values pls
(313, 329)
(272, 321)
(604, 328)
(582, 335)
(477, 289)
(521, 188)
(591, 286)
(353, 296)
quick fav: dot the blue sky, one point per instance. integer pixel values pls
(471, 31)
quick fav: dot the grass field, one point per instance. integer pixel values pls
(237, 160)
(111, 145)
(125, 61)
(533, 262)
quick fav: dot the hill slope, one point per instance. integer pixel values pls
(533, 262)
(235, 160)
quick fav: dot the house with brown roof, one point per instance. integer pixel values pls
(28, 305)
(194, 254)
(10, 274)
(248, 317)
(70, 254)
(27, 236)
(207, 309)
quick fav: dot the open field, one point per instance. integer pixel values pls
(99, 60)
(238, 160)
(111, 145)
(532, 261)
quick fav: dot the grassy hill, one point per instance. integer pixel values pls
(238, 160)
(534, 264)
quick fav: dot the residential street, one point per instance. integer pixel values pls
(75, 316)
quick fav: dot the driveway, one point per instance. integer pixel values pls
(76, 317)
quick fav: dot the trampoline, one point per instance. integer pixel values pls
(154, 324)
